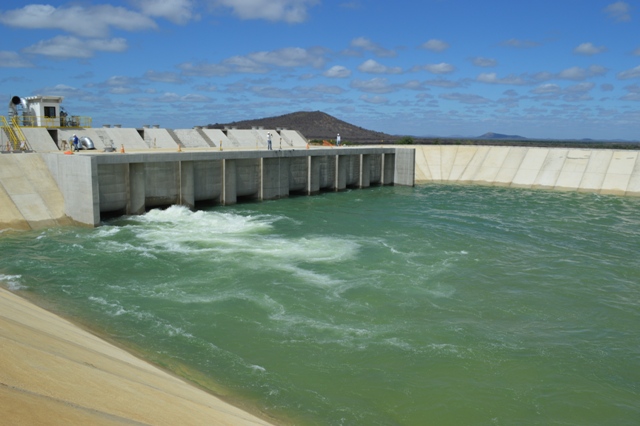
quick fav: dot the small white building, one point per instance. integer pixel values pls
(42, 111)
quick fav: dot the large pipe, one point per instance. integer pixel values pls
(14, 102)
(87, 143)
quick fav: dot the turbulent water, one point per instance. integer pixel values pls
(443, 305)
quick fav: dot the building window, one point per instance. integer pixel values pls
(50, 112)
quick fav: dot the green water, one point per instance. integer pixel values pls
(433, 305)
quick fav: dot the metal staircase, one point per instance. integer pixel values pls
(16, 141)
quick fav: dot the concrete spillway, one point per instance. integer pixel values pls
(96, 184)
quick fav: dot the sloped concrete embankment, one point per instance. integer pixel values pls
(29, 196)
(600, 171)
(55, 373)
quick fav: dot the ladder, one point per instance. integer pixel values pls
(17, 140)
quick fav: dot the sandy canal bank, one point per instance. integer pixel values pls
(52, 372)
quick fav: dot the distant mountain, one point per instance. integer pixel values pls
(491, 135)
(313, 125)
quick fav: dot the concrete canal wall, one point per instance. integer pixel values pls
(602, 171)
(49, 189)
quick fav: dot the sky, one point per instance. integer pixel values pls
(559, 69)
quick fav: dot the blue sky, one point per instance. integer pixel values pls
(540, 69)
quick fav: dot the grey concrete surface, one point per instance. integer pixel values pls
(603, 171)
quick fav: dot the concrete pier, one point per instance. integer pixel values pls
(93, 185)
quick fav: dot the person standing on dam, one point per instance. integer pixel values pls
(76, 143)
(269, 141)
(338, 140)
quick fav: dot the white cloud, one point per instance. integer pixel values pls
(259, 62)
(575, 73)
(377, 100)
(291, 11)
(484, 62)
(13, 60)
(413, 85)
(371, 66)
(369, 46)
(492, 78)
(290, 57)
(628, 74)
(63, 90)
(176, 11)
(589, 49)
(94, 21)
(575, 93)
(337, 71)
(375, 85)
(435, 45)
(546, 89)
(206, 88)
(441, 68)
(465, 98)
(634, 93)
(442, 82)
(204, 69)
(619, 11)
(64, 47)
(324, 89)
(581, 87)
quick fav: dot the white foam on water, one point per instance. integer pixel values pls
(230, 237)
(308, 276)
(257, 368)
(12, 282)
(398, 343)
(117, 246)
(206, 221)
(106, 231)
(441, 291)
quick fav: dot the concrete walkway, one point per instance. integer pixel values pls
(54, 373)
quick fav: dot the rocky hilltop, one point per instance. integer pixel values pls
(491, 135)
(314, 125)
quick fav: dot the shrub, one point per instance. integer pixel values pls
(407, 140)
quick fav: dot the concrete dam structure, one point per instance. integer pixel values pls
(100, 184)
(47, 188)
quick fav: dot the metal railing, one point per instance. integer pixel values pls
(17, 140)
(74, 121)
